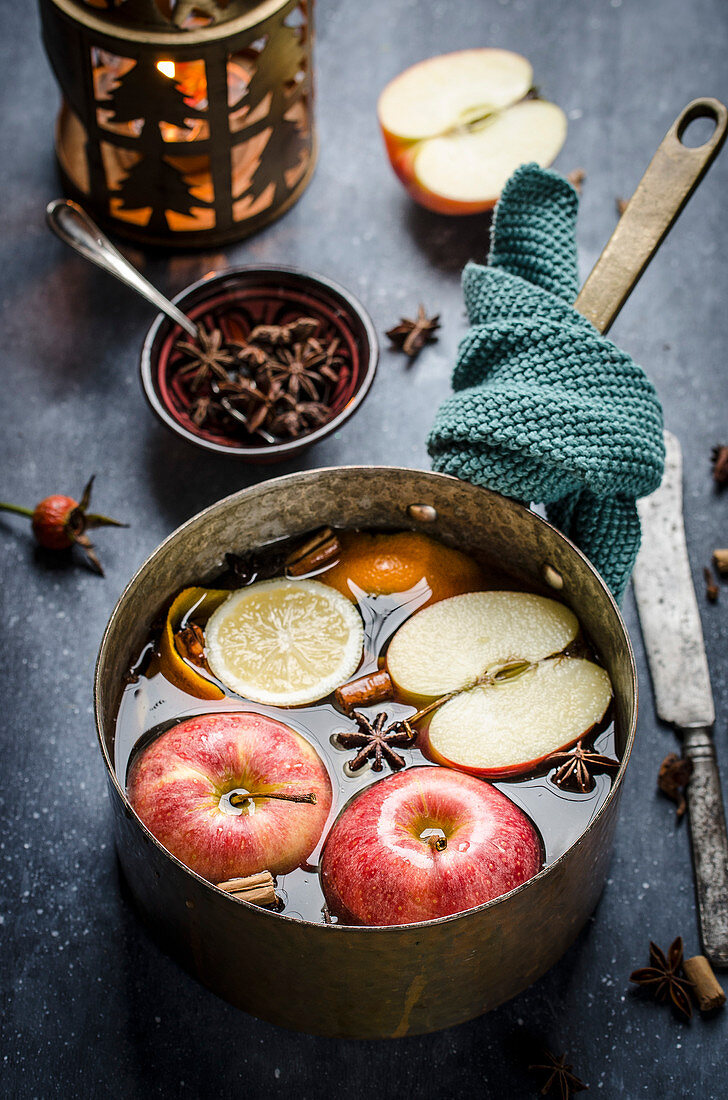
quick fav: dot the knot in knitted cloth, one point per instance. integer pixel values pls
(546, 409)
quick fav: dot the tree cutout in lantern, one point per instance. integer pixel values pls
(183, 121)
(282, 159)
(150, 83)
(153, 181)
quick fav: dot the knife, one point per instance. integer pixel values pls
(673, 638)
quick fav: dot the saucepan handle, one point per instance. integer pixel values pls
(671, 177)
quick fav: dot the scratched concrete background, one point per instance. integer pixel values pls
(91, 1006)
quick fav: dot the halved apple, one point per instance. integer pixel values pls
(457, 126)
(509, 727)
(508, 695)
(450, 645)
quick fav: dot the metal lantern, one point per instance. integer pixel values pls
(183, 122)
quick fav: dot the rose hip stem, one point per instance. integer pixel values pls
(239, 799)
(60, 521)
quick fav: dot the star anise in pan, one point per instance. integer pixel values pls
(376, 741)
(664, 980)
(575, 768)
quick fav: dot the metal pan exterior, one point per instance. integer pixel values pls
(366, 982)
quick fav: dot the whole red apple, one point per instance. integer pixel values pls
(425, 843)
(190, 788)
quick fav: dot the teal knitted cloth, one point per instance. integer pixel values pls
(546, 409)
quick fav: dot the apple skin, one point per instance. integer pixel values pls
(377, 870)
(176, 783)
(402, 155)
(510, 772)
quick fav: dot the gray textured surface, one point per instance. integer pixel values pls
(93, 1007)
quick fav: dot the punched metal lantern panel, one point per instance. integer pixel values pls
(183, 122)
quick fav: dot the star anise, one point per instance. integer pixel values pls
(377, 740)
(260, 401)
(719, 455)
(203, 409)
(560, 1079)
(673, 778)
(208, 358)
(412, 335)
(575, 767)
(663, 979)
(300, 417)
(284, 335)
(250, 356)
(295, 368)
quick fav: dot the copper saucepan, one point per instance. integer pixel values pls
(371, 982)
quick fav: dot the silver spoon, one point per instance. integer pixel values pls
(74, 227)
(72, 224)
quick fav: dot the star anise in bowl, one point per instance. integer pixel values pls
(282, 358)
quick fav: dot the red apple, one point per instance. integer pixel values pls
(457, 126)
(189, 787)
(425, 843)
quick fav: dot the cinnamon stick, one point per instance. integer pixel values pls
(707, 987)
(258, 889)
(711, 588)
(720, 561)
(317, 551)
(375, 687)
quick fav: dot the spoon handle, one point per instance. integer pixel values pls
(671, 177)
(72, 224)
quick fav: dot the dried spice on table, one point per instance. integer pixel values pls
(60, 522)
(664, 979)
(376, 741)
(575, 768)
(410, 336)
(719, 456)
(672, 779)
(560, 1081)
(577, 179)
(711, 588)
(720, 561)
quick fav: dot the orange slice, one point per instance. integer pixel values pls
(382, 564)
(183, 675)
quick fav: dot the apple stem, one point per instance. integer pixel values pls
(506, 672)
(433, 706)
(437, 843)
(239, 799)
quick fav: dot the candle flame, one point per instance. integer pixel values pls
(166, 68)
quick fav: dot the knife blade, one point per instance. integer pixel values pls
(673, 637)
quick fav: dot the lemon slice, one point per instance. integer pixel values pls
(284, 642)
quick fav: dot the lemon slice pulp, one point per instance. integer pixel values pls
(284, 642)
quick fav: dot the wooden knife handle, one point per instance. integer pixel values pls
(709, 843)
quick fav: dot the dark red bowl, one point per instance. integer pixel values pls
(240, 299)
